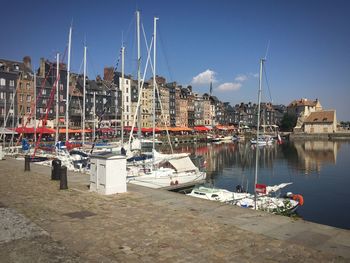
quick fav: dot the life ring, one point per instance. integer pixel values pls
(299, 198)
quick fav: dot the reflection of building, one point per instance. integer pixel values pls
(313, 154)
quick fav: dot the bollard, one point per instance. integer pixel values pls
(56, 169)
(27, 163)
(63, 178)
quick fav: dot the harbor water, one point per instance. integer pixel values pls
(319, 170)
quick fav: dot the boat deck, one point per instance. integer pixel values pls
(146, 225)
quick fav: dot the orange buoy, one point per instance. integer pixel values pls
(299, 198)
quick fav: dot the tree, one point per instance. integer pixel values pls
(288, 122)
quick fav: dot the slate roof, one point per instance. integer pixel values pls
(326, 116)
(303, 102)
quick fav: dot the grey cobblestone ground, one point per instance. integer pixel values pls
(146, 225)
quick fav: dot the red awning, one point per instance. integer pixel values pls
(128, 128)
(63, 130)
(201, 128)
(24, 130)
(45, 130)
(150, 130)
(38, 130)
(106, 130)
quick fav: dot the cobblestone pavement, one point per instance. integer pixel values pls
(145, 225)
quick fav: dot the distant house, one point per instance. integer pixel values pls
(324, 121)
(301, 109)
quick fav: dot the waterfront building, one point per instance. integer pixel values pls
(323, 121)
(147, 106)
(207, 110)
(218, 105)
(228, 113)
(190, 106)
(15, 77)
(267, 114)
(172, 102)
(301, 109)
(181, 108)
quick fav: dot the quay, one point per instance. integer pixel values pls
(40, 223)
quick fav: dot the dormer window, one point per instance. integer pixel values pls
(324, 119)
(16, 66)
(315, 119)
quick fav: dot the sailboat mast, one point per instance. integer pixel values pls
(57, 94)
(257, 131)
(68, 76)
(122, 99)
(35, 106)
(138, 72)
(154, 78)
(84, 92)
(94, 116)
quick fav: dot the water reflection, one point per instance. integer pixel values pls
(307, 157)
(311, 155)
(314, 167)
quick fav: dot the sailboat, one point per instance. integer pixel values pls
(261, 200)
(265, 198)
(165, 169)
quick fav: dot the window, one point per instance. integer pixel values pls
(28, 109)
(29, 98)
(20, 97)
(2, 95)
(28, 86)
(11, 96)
(2, 82)
(44, 92)
(61, 109)
(12, 83)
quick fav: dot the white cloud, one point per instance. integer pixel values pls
(229, 86)
(204, 78)
(241, 78)
(254, 75)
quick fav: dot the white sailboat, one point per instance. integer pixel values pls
(263, 197)
(164, 169)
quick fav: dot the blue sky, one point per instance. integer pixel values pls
(309, 50)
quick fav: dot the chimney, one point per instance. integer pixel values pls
(108, 74)
(42, 68)
(27, 61)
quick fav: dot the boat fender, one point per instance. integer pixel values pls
(172, 183)
(299, 198)
(176, 182)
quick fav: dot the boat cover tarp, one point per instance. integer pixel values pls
(7, 131)
(160, 157)
(275, 188)
(183, 164)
